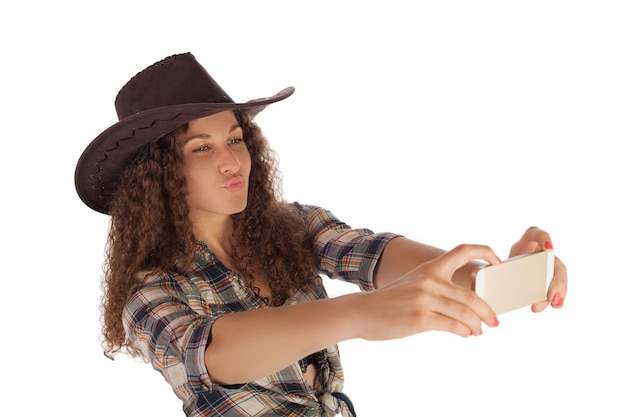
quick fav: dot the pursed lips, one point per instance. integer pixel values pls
(234, 184)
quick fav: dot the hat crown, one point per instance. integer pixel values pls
(177, 79)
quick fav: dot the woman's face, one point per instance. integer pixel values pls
(217, 165)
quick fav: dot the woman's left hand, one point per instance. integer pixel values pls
(535, 240)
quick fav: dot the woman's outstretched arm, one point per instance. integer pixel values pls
(402, 255)
(248, 345)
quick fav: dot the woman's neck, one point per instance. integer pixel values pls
(216, 232)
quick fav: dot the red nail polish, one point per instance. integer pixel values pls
(548, 245)
(495, 322)
(556, 299)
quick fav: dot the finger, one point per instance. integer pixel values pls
(540, 306)
(446, 264)
(441, 322)
(462, 305)
(556, 291)
(541, 237)
(465, 319)
(558, 287)
(444, 267)
(534, 239)
(522, 247)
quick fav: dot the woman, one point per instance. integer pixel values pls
(215, 280)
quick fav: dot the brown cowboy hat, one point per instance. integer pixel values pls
(154, 102)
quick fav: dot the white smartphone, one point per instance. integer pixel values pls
(517, 282)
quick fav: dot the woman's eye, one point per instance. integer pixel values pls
(202, 148)
(235, 141)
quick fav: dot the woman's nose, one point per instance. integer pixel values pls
(229, 163)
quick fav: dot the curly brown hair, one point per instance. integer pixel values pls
(269, 233)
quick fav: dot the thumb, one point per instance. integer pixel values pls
(446, 264)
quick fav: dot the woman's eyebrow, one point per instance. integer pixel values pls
(206, 135)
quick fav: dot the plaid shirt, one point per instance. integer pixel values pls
(169, 320)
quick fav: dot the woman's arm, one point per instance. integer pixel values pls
(249, 345)
(419, 288)
(401, 255)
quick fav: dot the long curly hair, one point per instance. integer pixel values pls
(269, 233)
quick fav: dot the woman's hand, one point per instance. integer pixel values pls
(426, 299)
(535, 240)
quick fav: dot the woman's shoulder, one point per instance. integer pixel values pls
(158, 279)
(318, 218)
(306, 210)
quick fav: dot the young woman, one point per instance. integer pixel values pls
(214, 280)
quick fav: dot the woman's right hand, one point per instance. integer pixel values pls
(426, 299)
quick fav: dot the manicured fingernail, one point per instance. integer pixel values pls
(498, 258)
(548, 245)
(495, 322)
(556, 299)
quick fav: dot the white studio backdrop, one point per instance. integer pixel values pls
(449, 122)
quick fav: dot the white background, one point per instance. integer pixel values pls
(447, 121)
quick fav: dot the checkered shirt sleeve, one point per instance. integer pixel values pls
(345, 253)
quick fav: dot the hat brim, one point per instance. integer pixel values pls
(103, 162)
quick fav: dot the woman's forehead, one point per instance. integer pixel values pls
(208, 126)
